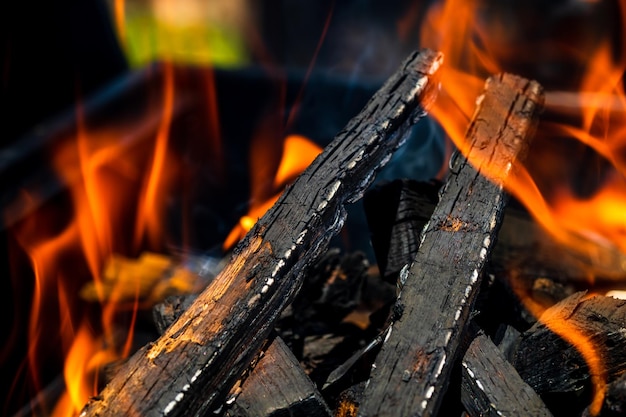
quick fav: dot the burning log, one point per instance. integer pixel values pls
(411, 372)
(492, 387)
(583, 340)
(277, 385)
(191, 368)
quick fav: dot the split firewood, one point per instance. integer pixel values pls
(580, 343)
(411, 372)
(192, 367)
(492, 387)
(276, 385)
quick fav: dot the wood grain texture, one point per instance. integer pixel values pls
(212, 343)
(492, 387)
(411, 372)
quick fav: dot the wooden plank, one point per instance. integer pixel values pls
(492, 387)
(207, 349)
(411, 372)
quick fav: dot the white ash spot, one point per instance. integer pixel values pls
(469, 371)
(186, 387)
(333, 190)
(358, 157)
(254, 300)
(424, 404)
(442, 362)
(287, 254)
(480, 385)
(195, 376)
(404, 275)
(474, 276)
(322, 205)
(388, 335)
(270, 281)
(457, 315)
(400, 110)
(169, 407)
(487, 241)
(483, 253)
(277, 268)
(384, 125)
(447, 337)
(479, 99)
(468, 290)
(301, 236)
(264, 289)
(406, 375)
(430, 391)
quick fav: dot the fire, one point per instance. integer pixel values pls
(103, 171)
(481, 38)
(298, 153)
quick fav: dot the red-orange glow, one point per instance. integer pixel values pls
(111, 180)
(298, 153)
(480, 39)
(119, 13)
(149, 215)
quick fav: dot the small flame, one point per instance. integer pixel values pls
(298, 153)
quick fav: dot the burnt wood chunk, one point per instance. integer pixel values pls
(396, 214)
(411, 372)
(578, 342)
(277, 386)
(191, 368)
(492, 387)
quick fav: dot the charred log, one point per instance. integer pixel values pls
(191, 368)
(548, 357)
(411, 372)
(492, 387)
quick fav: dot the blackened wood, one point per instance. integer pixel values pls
(277, 386)
(191, 368)
(547, 359)
(492, 387)
(396, 214)
(411, 372)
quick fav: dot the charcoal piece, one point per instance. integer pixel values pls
(411, 372)
(492, 387)
(396, 214)
(192, 367)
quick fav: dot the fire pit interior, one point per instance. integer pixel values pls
(470, 279)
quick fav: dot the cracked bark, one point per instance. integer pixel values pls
(411, 372)
(191, 368)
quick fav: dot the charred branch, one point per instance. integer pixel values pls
(192, 367)
(411, 372)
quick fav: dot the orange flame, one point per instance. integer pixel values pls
(481, 38)
(103, 173)
(298, 153)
